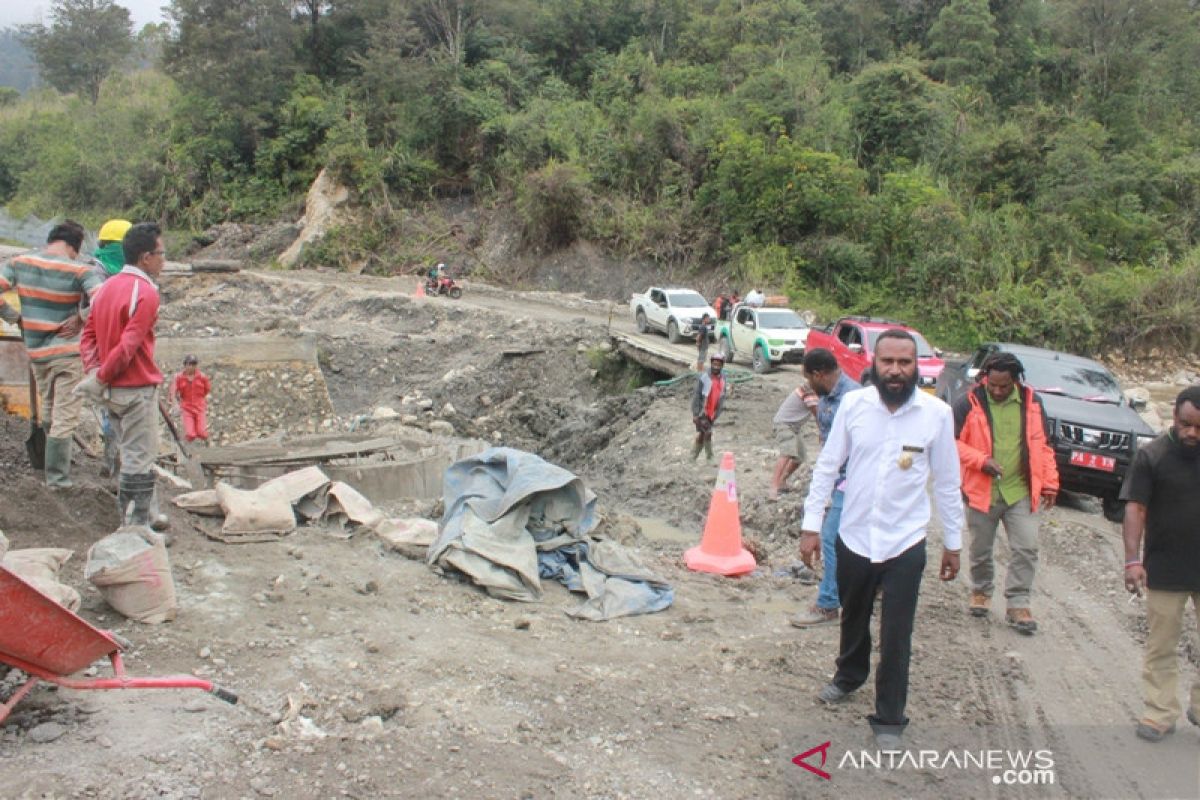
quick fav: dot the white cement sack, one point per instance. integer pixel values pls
(60, 593)
(131, 569)
(204, 502)
(351, 506)
(42, 563)
(410, 538)
(298, 483)
(39, 567)
(262, 515)
(306, 489)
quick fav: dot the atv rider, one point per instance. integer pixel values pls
(438, 280)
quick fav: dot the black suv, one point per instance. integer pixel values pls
(1094, 430)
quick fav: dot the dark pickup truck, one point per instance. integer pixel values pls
(1094, 429)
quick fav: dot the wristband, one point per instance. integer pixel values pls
(809, 533)
(1134, 563)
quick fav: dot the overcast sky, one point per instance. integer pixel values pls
(18, 12)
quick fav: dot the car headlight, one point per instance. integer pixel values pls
(1144, 439)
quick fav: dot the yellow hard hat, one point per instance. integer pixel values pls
(114, 230)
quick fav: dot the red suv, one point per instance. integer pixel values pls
(852, 342)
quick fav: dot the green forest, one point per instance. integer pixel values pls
(1026, 170)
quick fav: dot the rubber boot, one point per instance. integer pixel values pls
(142, 500)
(696, 449)
(708, 451)
(58, 463)
(128, 487)
(158, 520)
(133, 498)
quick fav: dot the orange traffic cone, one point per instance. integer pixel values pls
(420, 292)
(720, 550)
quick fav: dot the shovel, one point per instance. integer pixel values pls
(192, 468)
(35, 445)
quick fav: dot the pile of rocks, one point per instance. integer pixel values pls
(418, 411)
(252, 402)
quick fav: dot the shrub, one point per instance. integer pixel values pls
(552, 203)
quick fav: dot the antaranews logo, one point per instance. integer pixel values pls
(823, 749)
(1008, 767)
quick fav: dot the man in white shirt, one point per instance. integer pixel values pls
(755, 298)
(892, 438)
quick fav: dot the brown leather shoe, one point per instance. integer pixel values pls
(815, 616)
(980, 603)
(1021, 619)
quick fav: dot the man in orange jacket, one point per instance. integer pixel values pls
(1008, 473)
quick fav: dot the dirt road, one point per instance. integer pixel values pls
(364, 674)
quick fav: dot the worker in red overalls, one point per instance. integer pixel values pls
(190, 390)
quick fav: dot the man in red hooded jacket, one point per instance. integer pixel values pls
(1008, 473)
(118, 353)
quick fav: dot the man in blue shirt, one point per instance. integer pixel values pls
(831, 385)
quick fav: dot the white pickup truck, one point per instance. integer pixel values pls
(765, 336)
(675, 312)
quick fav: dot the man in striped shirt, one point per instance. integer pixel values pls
(50, 284)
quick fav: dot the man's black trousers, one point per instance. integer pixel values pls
(858, 579)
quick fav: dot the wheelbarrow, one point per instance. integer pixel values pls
(50, 643)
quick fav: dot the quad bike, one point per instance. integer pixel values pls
(443, 286)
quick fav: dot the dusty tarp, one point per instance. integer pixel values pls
(512, 518)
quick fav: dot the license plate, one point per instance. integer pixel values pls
(1093, 461)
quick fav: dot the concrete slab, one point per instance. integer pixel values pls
(660, 356)
(408, 464)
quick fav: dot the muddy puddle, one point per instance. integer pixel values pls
(662, 532)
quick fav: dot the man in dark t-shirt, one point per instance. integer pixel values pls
(1162, 494)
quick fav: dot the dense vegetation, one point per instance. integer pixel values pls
(986, 168)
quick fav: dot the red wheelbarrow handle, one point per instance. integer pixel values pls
(119, 681)
(126, 682)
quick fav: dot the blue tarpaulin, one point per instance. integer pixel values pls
(512, 518)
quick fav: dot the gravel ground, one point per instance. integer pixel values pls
(364, 674)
